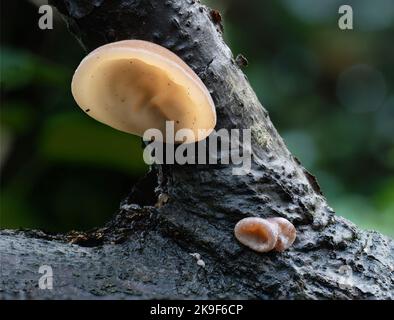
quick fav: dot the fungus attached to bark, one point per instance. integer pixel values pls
(263, 235)
(256, 233)
(135, 85)
(286, 235)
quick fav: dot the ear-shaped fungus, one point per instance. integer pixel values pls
(135, 85)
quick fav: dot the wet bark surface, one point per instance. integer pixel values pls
(145, 250)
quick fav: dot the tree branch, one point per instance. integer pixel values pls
(144, 252)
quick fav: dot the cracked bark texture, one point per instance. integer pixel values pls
(144, 251)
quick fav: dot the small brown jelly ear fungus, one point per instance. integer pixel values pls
(287, 233)
(257, 234)
(264, 235)
(136, 85)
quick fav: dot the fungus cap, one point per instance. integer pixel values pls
(135, 85)
(257, 233)
(287, 233)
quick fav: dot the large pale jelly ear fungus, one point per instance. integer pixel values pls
(256, 233)
(135, 85)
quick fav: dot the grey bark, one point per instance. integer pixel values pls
(144, 251)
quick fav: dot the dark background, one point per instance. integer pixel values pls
(329, 93)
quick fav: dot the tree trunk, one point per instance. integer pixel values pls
(144, 252)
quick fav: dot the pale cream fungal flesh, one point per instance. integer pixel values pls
(136, 85)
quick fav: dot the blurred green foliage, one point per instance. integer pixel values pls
(329, 93)
(60, 169)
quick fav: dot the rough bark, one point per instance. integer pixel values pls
(144, 252)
